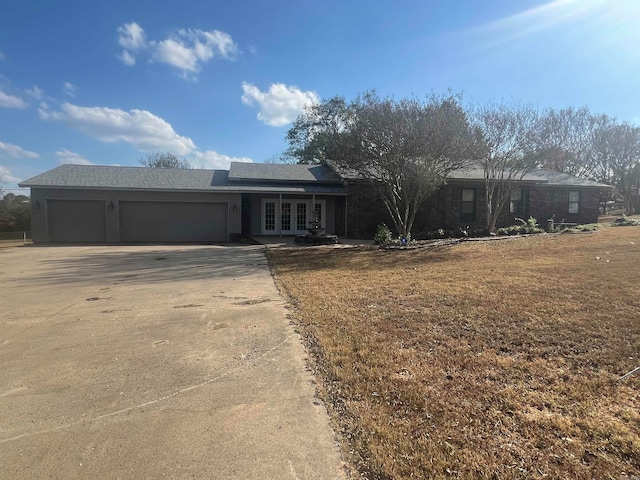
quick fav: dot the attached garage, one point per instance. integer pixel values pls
(173, 222)
(76, 221)
(109, 204)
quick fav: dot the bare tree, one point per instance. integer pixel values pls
(164, 160)
(508, 136)
(565, 142)
(617, 151)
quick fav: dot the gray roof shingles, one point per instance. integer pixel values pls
(144, 178)
(476, 174)
(282, 173)
(539, 176)
(243, 177)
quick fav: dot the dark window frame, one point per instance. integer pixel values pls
(575, 203)
(467, 216)
(521, 205)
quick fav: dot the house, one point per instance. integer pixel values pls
(104, 204)
(107, 204)
(542, 194)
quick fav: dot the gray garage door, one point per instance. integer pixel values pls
(173, 222)
(76, 221)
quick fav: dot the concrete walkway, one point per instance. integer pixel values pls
(153, 362)
(286, 241)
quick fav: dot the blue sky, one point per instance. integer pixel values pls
(106, 82)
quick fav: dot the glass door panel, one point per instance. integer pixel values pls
(301, 216)
(286, 217)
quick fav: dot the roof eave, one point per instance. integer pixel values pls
(232, 189)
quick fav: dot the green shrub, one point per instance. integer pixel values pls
(383, 235)
(528, 226)
(587, 227)
(624, 221)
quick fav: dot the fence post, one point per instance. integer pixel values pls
(24, 237)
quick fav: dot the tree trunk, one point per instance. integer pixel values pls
(491, 221)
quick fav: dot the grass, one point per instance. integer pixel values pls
(478, 360)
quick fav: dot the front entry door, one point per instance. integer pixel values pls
(292, 218)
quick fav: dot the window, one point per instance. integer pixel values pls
(270, 216)
(516, 201)
(574, 201)
(468, 205)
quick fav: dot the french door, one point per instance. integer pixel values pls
(292, 216)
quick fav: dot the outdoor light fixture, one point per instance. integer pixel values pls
(111, 207)
(234, 208)
(37, 205)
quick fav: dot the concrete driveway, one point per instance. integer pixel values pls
(150, 362)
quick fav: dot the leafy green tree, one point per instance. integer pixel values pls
(18, 209)
(164, 160)
(314, 135)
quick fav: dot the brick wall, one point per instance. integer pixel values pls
(546, 202)
(365, 209)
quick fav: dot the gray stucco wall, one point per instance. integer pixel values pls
(39, 196)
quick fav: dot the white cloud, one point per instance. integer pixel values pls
(128, 59)
(7, 177)
(187, 49)
(11, 101)
(35, 92)
(131, 36)
(66, 156)
(280, 105)
(140, 128)
(175, 53)
(214, 160)
(14, 151)
(70, 89)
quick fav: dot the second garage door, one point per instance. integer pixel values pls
(173, 222)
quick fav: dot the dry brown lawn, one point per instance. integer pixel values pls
(492, 359)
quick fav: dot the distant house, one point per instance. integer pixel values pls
(89, 203)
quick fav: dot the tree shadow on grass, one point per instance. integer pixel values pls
(319, 258)
(149, 264)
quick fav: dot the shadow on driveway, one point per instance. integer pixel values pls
(148, 264)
